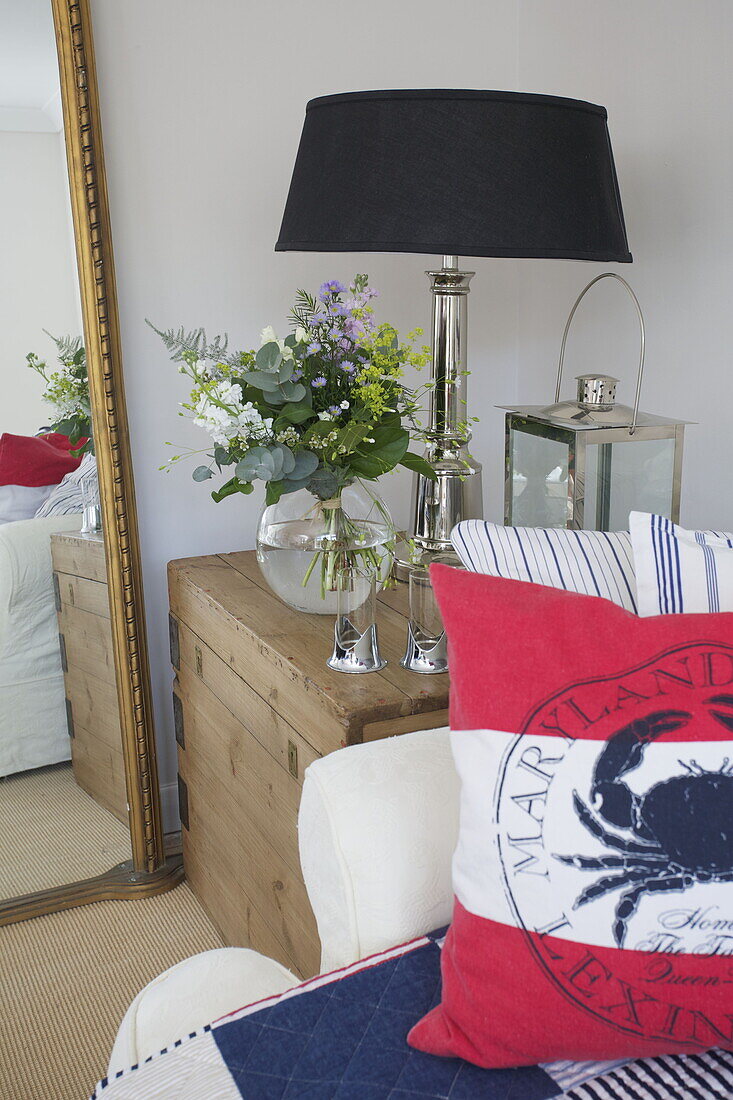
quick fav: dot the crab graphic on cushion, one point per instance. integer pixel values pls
(673, 833)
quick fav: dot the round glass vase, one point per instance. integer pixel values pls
(303, 543)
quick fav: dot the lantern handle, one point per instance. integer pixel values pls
(635, 300)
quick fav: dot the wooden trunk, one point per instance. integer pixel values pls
(254, 705)
(89, 674)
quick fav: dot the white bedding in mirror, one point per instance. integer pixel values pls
(33, 729)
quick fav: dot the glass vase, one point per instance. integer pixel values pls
(303, 543)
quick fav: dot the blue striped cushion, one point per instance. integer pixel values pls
(678, 570)
(594, 563)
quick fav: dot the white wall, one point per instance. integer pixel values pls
(38, 280)
(202, 110)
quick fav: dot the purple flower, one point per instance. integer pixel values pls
(333, 286)
(319, 383)
(337, 309)
(318, 318)
(345, 343)
(335, 410)
(313, 348)
(347, 366)
(353, 327)
(296, 375)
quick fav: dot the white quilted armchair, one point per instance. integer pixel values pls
(378, 824)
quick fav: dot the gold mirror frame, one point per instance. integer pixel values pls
(148, 872)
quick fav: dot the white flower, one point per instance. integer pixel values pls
(325, 415)
(301, 335)
(219, 412)
(344, 404)
(268, 336)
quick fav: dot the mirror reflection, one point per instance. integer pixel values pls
(63, 804)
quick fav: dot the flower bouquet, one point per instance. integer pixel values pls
(67, 391)
(316, 417)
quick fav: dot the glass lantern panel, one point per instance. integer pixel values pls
(540, 494)
(633, 475)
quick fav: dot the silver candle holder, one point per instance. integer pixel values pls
(356, 646)
(427, 645)
(91, 525)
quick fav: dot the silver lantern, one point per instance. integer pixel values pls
(587, 463)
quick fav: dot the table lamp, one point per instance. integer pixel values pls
(473, 173)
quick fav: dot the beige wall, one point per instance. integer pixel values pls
(202, 109)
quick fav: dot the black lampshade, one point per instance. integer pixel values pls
(468, 173)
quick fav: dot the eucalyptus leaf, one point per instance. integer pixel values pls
(202, 473)
(293, 391)
(261, 380)
(285, 371)
(277, 460)
(246, 468)
(245, 471)
(265, 473)
(288, 485)
(288, 459)
(269, 357)
(222, 457)
(276, 397)
(305, 463)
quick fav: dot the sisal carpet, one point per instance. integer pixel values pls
(66, 981)
(52, 832)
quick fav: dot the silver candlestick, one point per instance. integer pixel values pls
(427, 645)
(355, 644)
(456, 493)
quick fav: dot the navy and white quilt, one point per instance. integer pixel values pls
(342, 1036)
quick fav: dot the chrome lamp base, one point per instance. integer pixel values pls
(456, 493)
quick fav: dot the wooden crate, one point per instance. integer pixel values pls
(80, 576)
(254, 705)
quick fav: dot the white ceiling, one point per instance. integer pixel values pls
(29, 79)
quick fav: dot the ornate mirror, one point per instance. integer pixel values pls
(79, 800)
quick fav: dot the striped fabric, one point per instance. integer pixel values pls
(680, 571)
(706, 1076)
(66, 497)
(594, 563)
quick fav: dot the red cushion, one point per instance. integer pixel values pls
(33, 461)
(594, 870)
